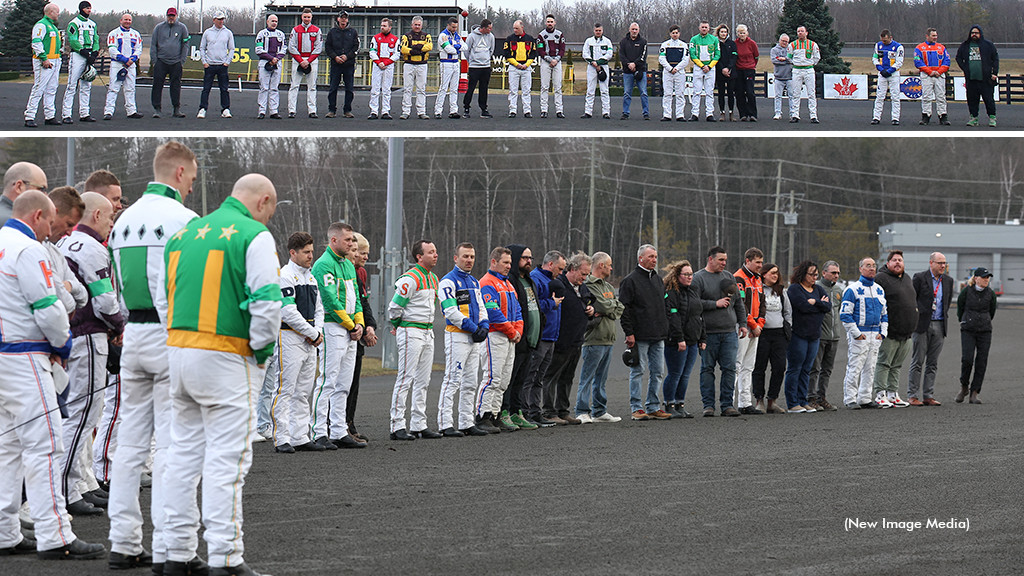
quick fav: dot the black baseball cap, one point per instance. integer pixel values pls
(982, 272)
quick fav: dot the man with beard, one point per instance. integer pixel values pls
(533, 323)
(901, 302)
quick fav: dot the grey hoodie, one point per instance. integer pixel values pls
(783, 65)
(711, 289)
(478, 48)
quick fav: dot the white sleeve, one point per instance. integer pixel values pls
(290, 314)
(404, 289)
(36, 282)
(260, 272)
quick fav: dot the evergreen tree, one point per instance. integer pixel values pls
(815, 16)
(26, 150)
(17, 32)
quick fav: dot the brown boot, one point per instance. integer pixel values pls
(963, 394)
(774, 408)
(974, 398)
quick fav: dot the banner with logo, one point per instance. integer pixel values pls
(910, 88)
(846, 86)
(960, 89)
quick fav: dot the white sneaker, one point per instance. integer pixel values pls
(201, 114)
(226, 113)
(585, 418)
(894, 398)
(777, 117)
(798, 409)
(606, 417)
(882, 400)
(145, 480)
(25, 516)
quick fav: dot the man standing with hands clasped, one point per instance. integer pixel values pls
(341, 46)
(550, 49)
(597, 52)
(866, 319)
(216, 51)
(633, 54)
(271, 48)
(934, 293)
(645, 325)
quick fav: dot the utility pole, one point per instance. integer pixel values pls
(775, 217)
(792, 226)
(202, 189)
(656, 245)
(393, 257)
(593, 168)
(70, 175)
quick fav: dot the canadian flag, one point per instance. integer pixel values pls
(846, 86)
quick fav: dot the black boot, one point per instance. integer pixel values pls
(925, 119)
(943, 120)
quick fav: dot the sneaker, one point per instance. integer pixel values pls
(606, 418)
(455, 116)
(585, 418)
(291, 114)
(465, 112)
(544, 422)
(659, 415)
(894, 398)
(882, 400)
(483, 114)
(973, 121)
(640, 415)
(825, 406)
(543, 114)
(403, 117)
(809, 409)
(647, 116)
(666, 118)
(349, 115)
(110, 116)
(559, 115)
(853, 406)
(798, 409)
(813, 404)
(201, 114)
(992, 121)
(177, 113)
(486, 425)
(371, 117)
(777, 117)
(386, 116)
(606, 116)
(511, 114)
(226, 113)
(895, 122)
(520, 421)
(423, 117)
(331, 115)
(875, 121)
(313, 115)
(624, 117)
(505, 423)
(261, 116)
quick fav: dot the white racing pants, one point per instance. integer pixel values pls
(592, 85)
(115, 86)
(803, 79)
(31, 451)
(674, 85)
(892, 86)
(76, 65)
(858, 386)
(268, 100)
(337, 365)
(520, 83)
(933, 90)
(44, 87)
(703, 87)
(550, 79)
(414, 77)
(87, 377)
(448, 87)
(461, 372)
(380, 88)
(298, 79)
(499, 356)
(213, 420)
(746, 354)
(145, 414)
(289, 409)
(107, 431)
(415, 356)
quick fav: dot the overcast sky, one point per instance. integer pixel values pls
(159, 6)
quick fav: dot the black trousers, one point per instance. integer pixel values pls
(558, 381)
(160, 73)
(220, 72)
(980, 89)
(723, 86)
(339, 72)
(353, 393)
(771, 349)
(512, 400)
(974, 348)
(481, 76)
(743, 87)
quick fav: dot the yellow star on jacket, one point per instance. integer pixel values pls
(227, 232)
(201, 233)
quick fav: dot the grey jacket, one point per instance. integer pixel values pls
(478, 48)
(711, 288)
(217, 46)
(6, 208)
(832, 327)
(783, 65)
(169, 43)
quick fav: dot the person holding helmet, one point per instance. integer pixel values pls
(85, 47)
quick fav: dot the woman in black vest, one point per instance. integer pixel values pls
(975, 308)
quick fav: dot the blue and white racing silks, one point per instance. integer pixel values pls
(449, 46)
(888, 57)
(461, 302)
(864, 308)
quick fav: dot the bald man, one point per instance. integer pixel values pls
(35, 336)
(138, 244)
(46, 44)
(21, 176)
(89, 260)
(224, 313)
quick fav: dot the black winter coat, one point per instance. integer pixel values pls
(901, 302)
(685, 314)
(643, 295)
(342, 42)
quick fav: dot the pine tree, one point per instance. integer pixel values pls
(17, 32)
(814, 15)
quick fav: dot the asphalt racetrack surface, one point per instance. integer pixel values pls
(843, 115)
(747, 495)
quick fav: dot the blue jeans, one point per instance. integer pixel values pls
(721, 350)
(800, 359)
(628, 81)
(678, 365)
(652, 357)
(593, 376)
